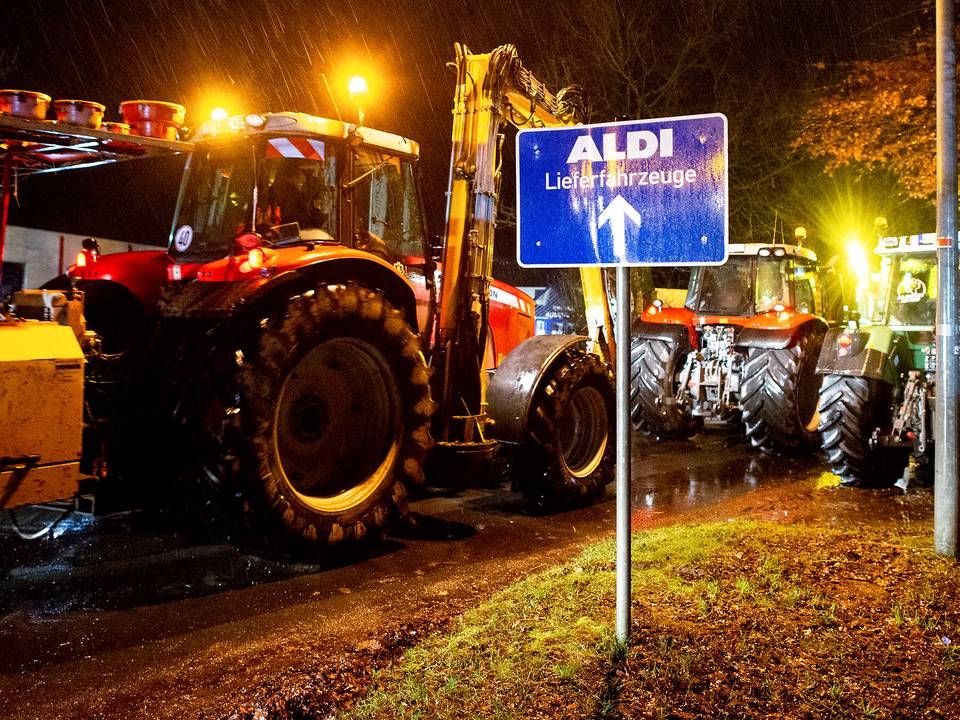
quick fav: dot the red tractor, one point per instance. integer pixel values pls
(743, 347)
(293, 343)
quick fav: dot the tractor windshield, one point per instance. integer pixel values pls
(297, 183)
(296, 187)
(215, 201)
(723, 289)
(749, 284)
(910, 286)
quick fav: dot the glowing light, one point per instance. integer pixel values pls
(357, 86)
(214, 102)
(255, 120)
(844, 342)
(81, 259)
(255, 258)
(857, 259)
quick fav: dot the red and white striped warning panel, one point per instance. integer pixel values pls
(295, 147)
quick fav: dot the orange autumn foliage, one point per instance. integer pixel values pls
(881, 115)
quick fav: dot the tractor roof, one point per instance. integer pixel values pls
(774, 250)
(924, 242)
(293, 123)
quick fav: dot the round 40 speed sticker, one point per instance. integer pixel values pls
(182, 238)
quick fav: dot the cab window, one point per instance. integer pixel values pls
(803, 277)
(914, 296)
(216, 202)
(386, 207)
(722, 289)
(772, 285)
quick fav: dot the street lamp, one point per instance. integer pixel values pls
(357, 86)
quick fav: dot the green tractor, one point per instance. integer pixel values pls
(877, 395)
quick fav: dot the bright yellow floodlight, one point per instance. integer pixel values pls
(219, 114)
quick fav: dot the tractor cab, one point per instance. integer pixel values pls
(757, 279)
(287, 179)
(906, 293)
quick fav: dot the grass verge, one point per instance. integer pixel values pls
(735, 619)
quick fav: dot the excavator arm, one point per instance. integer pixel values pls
(492, 89)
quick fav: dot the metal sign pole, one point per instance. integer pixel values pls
(623, 454)
(948, 362)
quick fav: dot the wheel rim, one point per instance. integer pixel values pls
(336, 428)
(584, 432)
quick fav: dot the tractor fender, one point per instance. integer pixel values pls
(678, 334)
(511, 390)
(874, 360)
(776, 338)
(222, 300)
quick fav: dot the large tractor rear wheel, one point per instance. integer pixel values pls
(851, 408)
(332, 418)
(567, 459)
(778, 395)
(653, 408)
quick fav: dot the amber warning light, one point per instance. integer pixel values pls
(89, 253)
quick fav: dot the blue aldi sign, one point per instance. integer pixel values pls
(651, 192)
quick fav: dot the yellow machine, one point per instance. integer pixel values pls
(40, 432)
(492, 89)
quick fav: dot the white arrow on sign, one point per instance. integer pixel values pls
(616, 213)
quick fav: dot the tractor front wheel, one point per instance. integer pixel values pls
(334, 408)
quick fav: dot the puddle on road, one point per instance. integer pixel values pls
(122, 561)
(671, 480)
(676, 477)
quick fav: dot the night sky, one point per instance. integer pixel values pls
(285, 54)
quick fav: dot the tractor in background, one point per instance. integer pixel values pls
(878, 392)
(743, 348)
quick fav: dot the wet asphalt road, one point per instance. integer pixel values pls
(127, 616)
